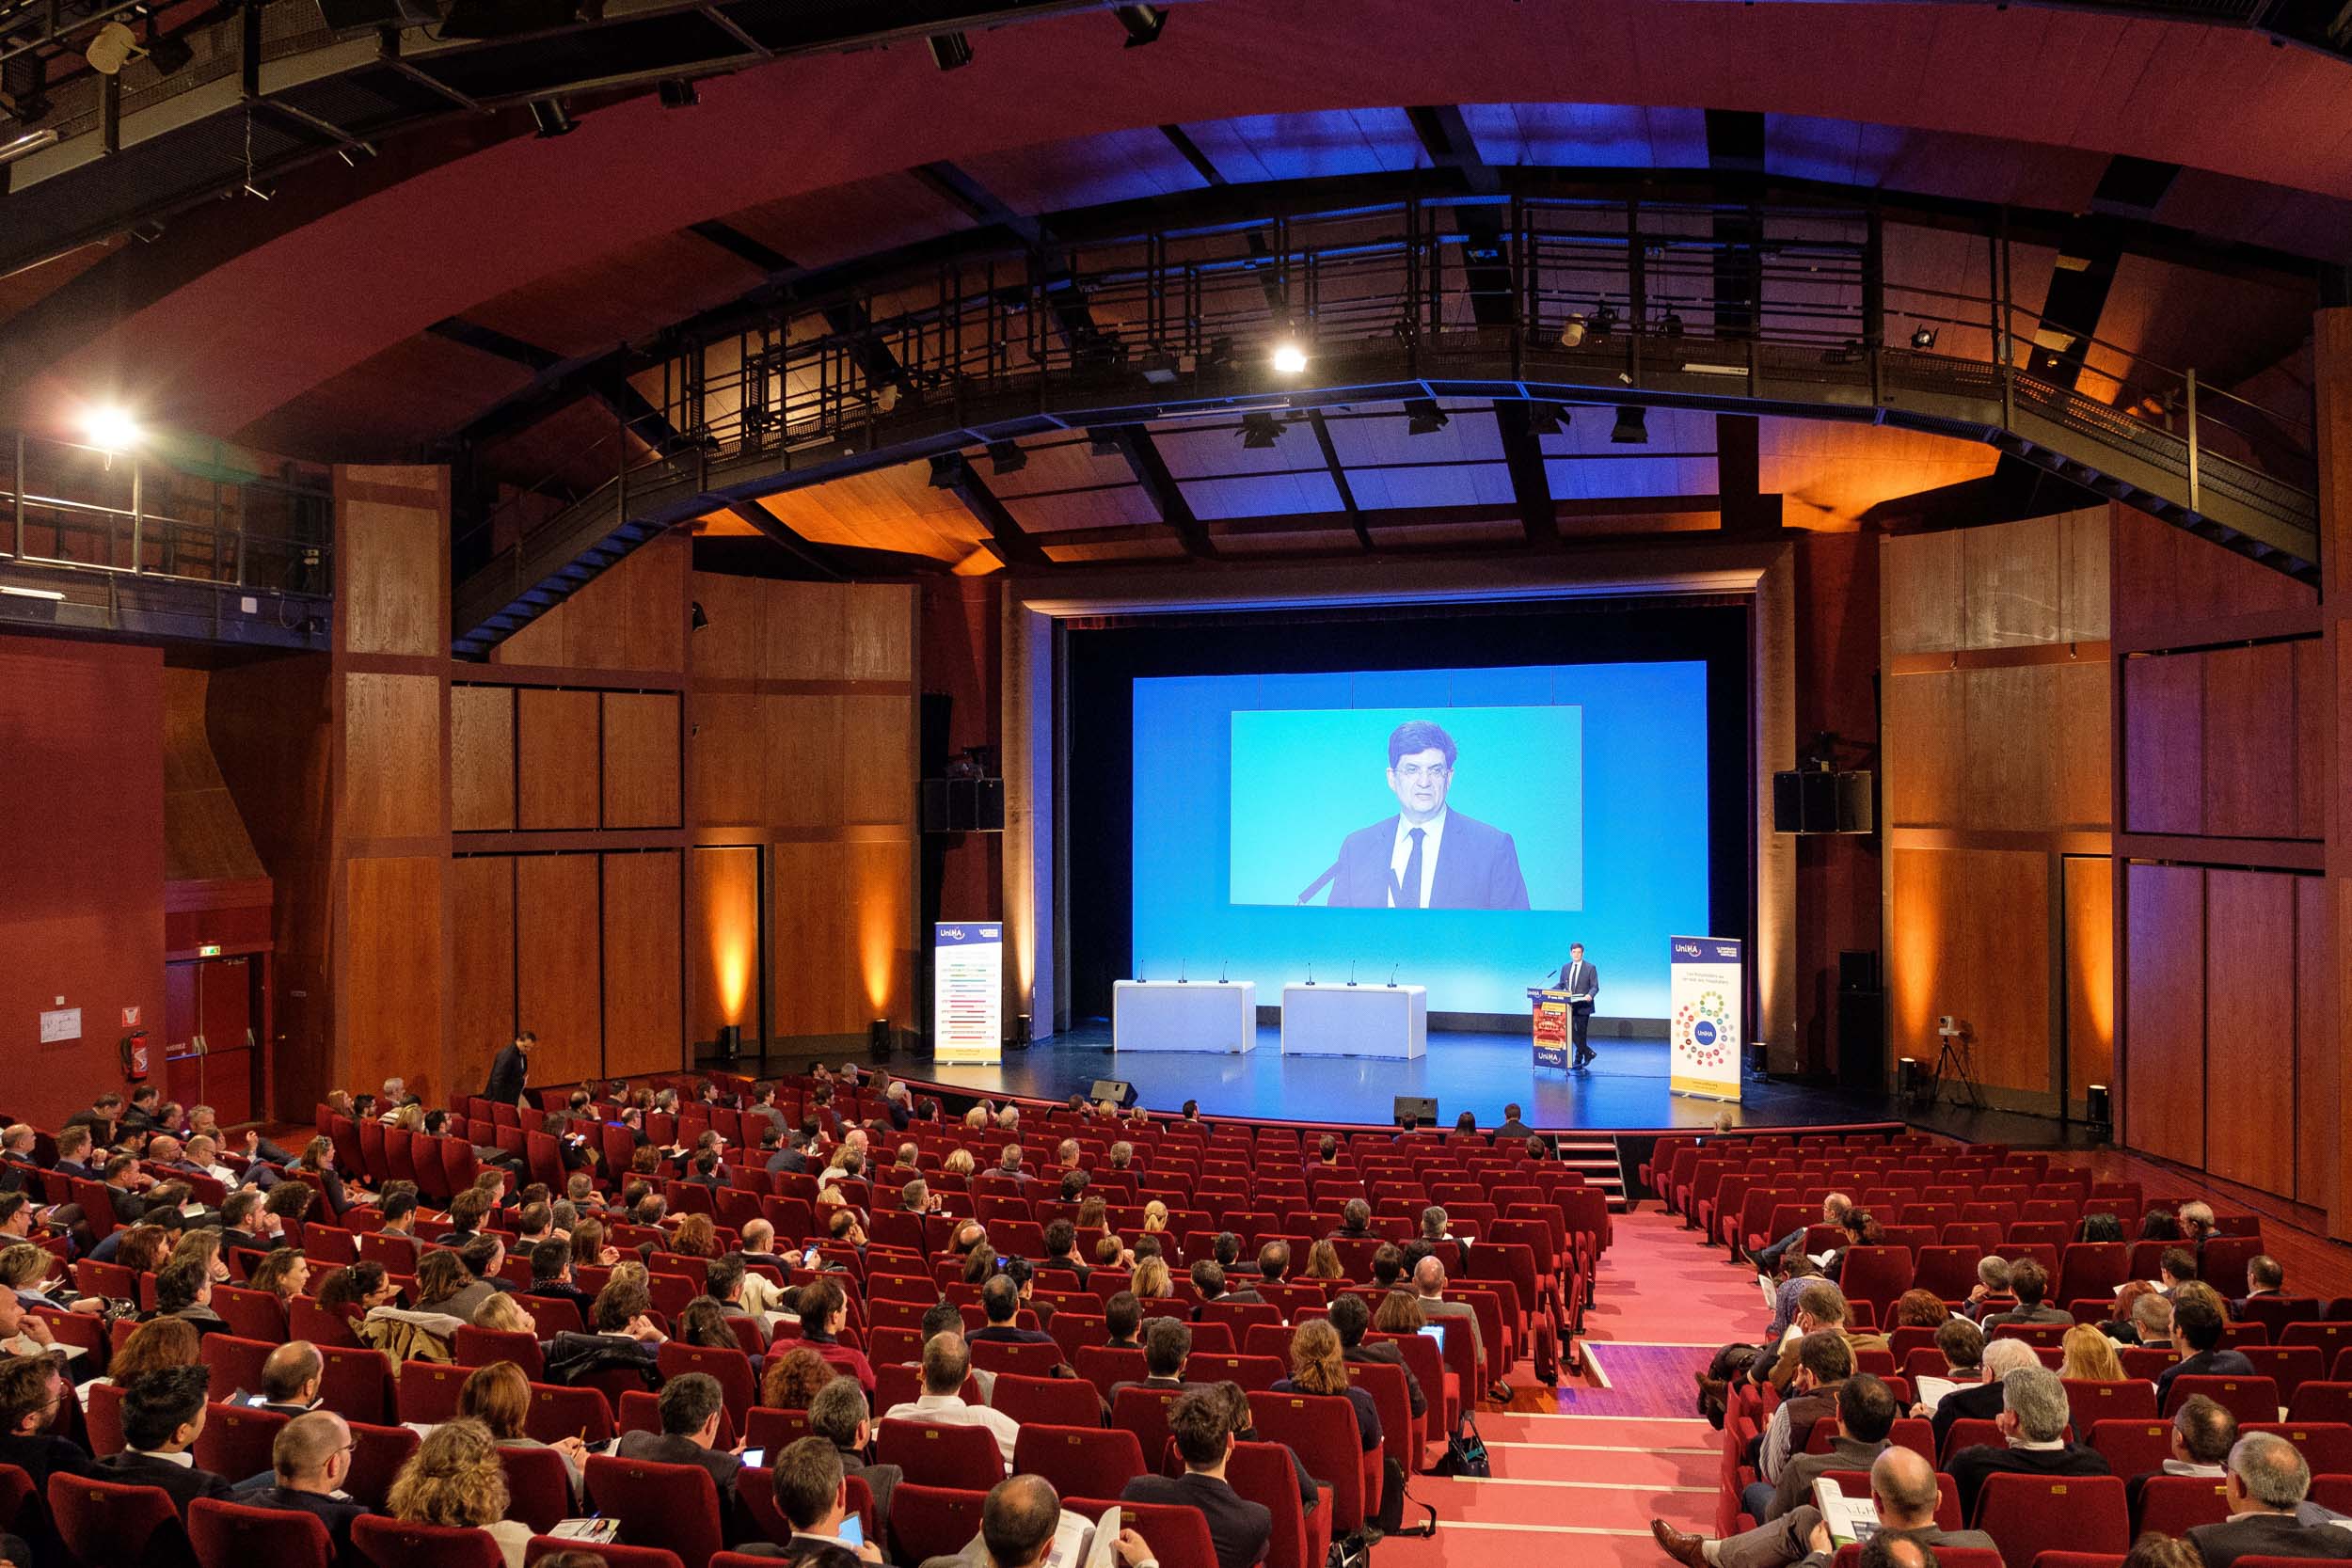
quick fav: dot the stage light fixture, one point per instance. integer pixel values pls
(1422, 417)
(678, 93)
(113, 47)
(1259, 431)
(1572, 330)
(110, 427)
(1159, 368)
(1631, 429)
(1143, 23)
(1923, 338)
(27, 144)
(697, 620)
(1670, 324)
(552, 119)
(1005, 457)
(878, 1039)
(1290, 359)
(1545, 419)
(950, 50)
(1604, 321)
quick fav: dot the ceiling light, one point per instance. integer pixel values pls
(1289, 357)
(1143, 23)
(552, 119)
(113, 47)
(678, 93)
(12, 591)
(1005, 457)
(110, 428)
(950, 50)
(1572, 330)
(1259, 431)
(1923, 338)
(1422, 417)
(1545, 419)
(27, 144)
(1630, 428)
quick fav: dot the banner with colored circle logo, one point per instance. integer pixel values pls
(1705, 1033)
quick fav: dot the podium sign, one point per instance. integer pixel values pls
(968, 993)
(1551, 1027)
(1705, 1033)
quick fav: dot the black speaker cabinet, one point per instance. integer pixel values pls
(1117, 1090)
(1810, 802)
(1421, 1110)
(1858, 970)
(1861, 1040)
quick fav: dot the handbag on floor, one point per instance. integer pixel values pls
(1465, 1451)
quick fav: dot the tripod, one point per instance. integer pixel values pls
(1954, 1058)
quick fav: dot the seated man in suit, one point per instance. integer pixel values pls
(1426, 857)
(1511, 1129)
(1167, 1346)
(1240, 1530)
(1429, 1293)
(2198, 1325)
(1866, 1413)
(32, 1391)
(2264, 1275)
(1018, 1522)
(1352, 1317)
(2033, 1422)
(691, 1405)
(163, 1411)
(2264, 1493)
(2204, 1433)
(840, 1415)
(1208, 1277)
(308, 1463)
(2029, 1281)
(812, 1491)
(1902, 1485)
(1000, 1299)
(291, 1377)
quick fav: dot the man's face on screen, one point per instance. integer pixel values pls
(1419, 781)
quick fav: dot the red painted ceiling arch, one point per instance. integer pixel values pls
(260, 328)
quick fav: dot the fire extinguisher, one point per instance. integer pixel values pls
(133, 1050)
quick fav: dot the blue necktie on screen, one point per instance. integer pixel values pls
(1412, 872)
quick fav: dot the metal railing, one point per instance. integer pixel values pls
(84, 510)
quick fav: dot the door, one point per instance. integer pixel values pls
(225, 1013)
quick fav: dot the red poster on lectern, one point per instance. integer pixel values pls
(1551, 1027)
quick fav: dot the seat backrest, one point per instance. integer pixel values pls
(1144, 1412)
(400, 1543)
(2249, 1398)
(2094, 1400)
(2325, 1445)
(429, 1392)
(377, 1457)
(1261, 1472)
(237, 1439)
(615, 1555)
(558, 1412)
(480, 1347)
(107, 1526)
(937, 1454)
(1079, 1461)
(225, 1535)
(2175, 1504)
(1177, 1533)
(934, 1521)
(1321, 1430)
(1056, 1400)
(2028, 1515)
(671, 1506)
(538, 1486)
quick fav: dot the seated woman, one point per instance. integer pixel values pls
(501, 1313)
(351, 1290)
(1152, 1282)
(152, 1346)
(284, 1274)
(794, 1379)
(446, 1286)
(1318, 1366)
(318, 1157)
(1920, 1309)
(2091, 1355)
(696, 1236)
(1322, 1262)
(454, 1480)
(703, 1322)
(1399, 1312)
(499, 1396)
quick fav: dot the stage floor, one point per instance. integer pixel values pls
(1481, 1073)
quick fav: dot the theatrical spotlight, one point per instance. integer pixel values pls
(552, 119)
(950, 50)
(1604, 321)
(1923, 338)
(1005, 457)
(1545, 419)
(1572, 330)
(113, 47)
(110, 428)
(678, 93)
(1670, 324)
(1422, 417)
(1631, 429)
(1259, 431)
(169, 56)
(1289, 357)
(1143, 23)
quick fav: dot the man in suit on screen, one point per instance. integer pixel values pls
(1427, 856)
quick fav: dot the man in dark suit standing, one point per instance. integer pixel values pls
(1426, 857)
(1240, 1530)
(2033, 1420)
(163, 1412)
(510, 1075)
(2265, 1493)
(1582, 981)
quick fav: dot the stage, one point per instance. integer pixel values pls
(1477, 1072)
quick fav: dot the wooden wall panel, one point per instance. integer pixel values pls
(2317, 1127)
(1971, 937)
(391, 566)
(2089, 937)
(2009, 570)
(2167, 581)
(481, 968)
(2163, 1087)
(391, 757)
(390, 975)
(204, 834)
(732, 640)
(640, 759)
(877, 787)
(2083, 794)
(879, 632)
(881, 877)
(723, 958)
(558, 928)
(633, 615)
(2314, 690)
(812, 968)
(2249, 747)
(2249, 1027)
(2083, 590)
(804, 766)
(540, 642)
(481, 758)
(1925, 718)
(730, 759)
(805, 626)
(642, 1018)
(2008, 774)
(1920, 580)
(2163, 744)
(558, 744)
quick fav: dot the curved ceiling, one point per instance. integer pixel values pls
(2031, 105)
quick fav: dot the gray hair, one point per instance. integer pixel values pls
(2037, 1397)
(2005, 1356)
(2152, 1314)
(2272, 1471)
(1992, 1272)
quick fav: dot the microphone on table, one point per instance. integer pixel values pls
(1180, 971)
(1351, 972)
(1220, 972)
(1393, 976)
(1310, 974)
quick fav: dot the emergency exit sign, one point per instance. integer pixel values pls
(208, 950)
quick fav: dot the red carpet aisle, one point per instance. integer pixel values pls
(1577, 1478)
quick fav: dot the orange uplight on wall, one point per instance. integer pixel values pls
(731, 953)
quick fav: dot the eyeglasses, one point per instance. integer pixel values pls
(1416, 773)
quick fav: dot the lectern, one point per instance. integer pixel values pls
(1551, 1009)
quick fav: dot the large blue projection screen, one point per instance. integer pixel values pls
(1246, 787)
(1497, 792)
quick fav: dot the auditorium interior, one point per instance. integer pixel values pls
(669, 670)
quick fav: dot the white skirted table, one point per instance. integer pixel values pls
(1356, 1021)
(1178, 1015)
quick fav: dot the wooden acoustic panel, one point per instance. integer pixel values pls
(880, 626)
(2167, 581)
(2164, 1034)
(557, 731)
(559, 961)
(2008, 571)
(391, 561)
(481, 968)
(2090, 936)
(811, 966)
(730, 644)
(723, 947)
(2164, 739)
(391, 757)
(877, 767)
(2249, 1028)
(2008, 769)
(806, 637)
(882, 875)
(1925, 715)
(633, 615)
(389, 967)
(644, 1027)
(640, 759)
(2249, 744)
(804, 766)
(540, 642)
(2085, 575)
(2315, 696)
(1919, 577)
(2084, 784)
(1971, 939)
(730, 767)
(2318, 1127)
(481, 758)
